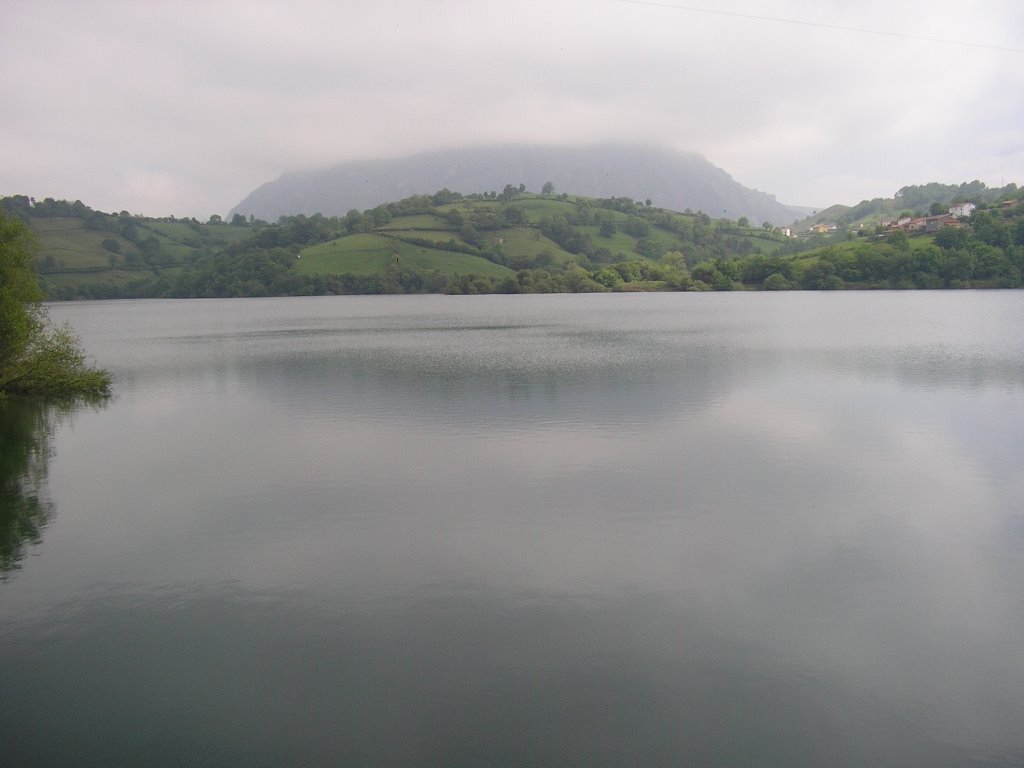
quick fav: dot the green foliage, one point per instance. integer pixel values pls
(53, 364)
(20, 313)
(35, 358)
(511, 241)
(776, 282)
(918, 196)
(24, 451)
(898, 240)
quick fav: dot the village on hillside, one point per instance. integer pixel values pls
(956, 216)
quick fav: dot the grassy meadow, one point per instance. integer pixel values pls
(369, 254)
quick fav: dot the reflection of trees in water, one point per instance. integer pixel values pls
(26, 446)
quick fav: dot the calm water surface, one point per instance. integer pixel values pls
(654, 530)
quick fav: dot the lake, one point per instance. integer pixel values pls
(755, 529)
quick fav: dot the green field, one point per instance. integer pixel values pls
(372, 254)
(178, 231)
(434, 236)
(516, 243)
(191, 236)
(766, 244)
(71, 255)
(538, 208)
(419, 221)
(224, 233)
(71, 246)
(528, 242)
(621, 243)
(67, 244)
(916, 242)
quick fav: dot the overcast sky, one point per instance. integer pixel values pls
(183, 108)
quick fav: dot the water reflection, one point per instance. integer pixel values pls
(693, 530)
(26, 447)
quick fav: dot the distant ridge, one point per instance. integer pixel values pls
(669, 179)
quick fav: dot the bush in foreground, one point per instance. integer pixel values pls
(35, 357)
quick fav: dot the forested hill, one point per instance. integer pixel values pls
(669, 179)
(514, 241)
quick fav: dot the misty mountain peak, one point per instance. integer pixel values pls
(670, 179)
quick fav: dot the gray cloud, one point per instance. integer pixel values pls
(184, 108)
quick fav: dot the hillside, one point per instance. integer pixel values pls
(81, 249)
(440, 242)
(512, 242)
(913, 200)
(670, 179)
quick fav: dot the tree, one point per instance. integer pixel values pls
(636, 227)
(453, 218)
(646, 247)
(150, 248)
(470, 234)
(514, 216)
(380, 216)
(35, 358)
(19, 291)
(548, 188)
(949, 238)
(708, 274)
(898, 240)
(776, 282)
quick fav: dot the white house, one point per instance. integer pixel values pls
(962, 209)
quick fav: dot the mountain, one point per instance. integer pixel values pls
(673, 180)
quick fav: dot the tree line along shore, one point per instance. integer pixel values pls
(502, 242)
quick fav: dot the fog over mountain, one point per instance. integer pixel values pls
(669, 179)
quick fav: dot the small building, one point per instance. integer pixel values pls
(935, 223)
(962, 209)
